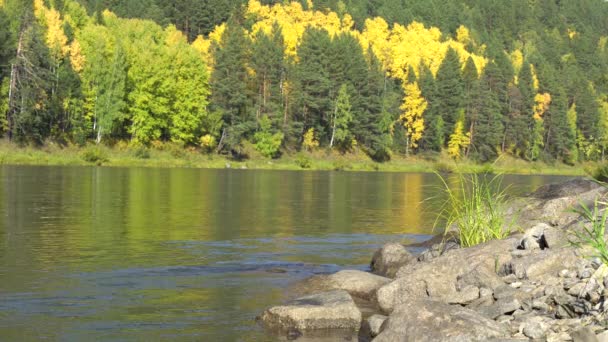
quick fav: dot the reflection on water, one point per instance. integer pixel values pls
(182, 254)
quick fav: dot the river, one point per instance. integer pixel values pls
(135, 254)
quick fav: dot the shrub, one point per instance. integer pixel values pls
(592, 234)
(94, 154)
(142, 153)
(303, 161)
(598, 172)
(266, 142)
(475, 210)
(208, 143)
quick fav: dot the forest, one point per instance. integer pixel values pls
(468, 79)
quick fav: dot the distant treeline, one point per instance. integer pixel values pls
(470, 78)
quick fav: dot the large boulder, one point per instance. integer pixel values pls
(357, 283)
(427, 320)
(553, 203)
(438, 278)
(388, 259)
(332, 310)
(547, 262)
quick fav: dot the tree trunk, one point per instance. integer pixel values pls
(333, 131)
(12, 90)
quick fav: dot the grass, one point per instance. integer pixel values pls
(474, 209)
(593, 234)
(167, 155)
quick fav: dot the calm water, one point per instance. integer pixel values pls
(159, 254)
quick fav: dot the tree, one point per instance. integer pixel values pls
(312, 103)
(459, 141)
(450, 90)
(189, 93)
(411, 117)
(104, 77)
(268, 62)
(229, 86)
(30, 80)
(486, 130)
(341, 120)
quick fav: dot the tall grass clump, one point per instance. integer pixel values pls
(474, 209)
(593, 234)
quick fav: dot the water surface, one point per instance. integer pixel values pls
(111, 254)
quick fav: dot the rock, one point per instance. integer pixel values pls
(373, 325)
(543, 263)
(504, 291)
(540, 305)
(577, 290)
(481, 277)
(437, 279)
(570, 188)
(485, 292)
(552, 203)
(535, 328)
(583, 335)
(501, 307)
(464, 296)
(333, 310)
(427, 320)
(388, 259)
(602, 337)
(543, 236)
(357, 283)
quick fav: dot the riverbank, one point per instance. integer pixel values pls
(534, 285)
(170, 156)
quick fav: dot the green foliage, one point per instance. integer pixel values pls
(94, 154)
(267, 143)
(142, 152)
(474, 209)
(303, 161)
(593, 233)
(341, 121)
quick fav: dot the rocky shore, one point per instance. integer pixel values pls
(533, 285)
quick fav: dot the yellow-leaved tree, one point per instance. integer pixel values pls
(459, 140)
(411, 117)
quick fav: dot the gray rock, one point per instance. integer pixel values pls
(543, 236)
(464, 296)
(602, 337)
(357, 283)
(584, 335)
(535, 328)
(501, 307)
(577, 290)
(426, 320)
(543, 263)
(323, 311)
(388, 259)
(570, 188)
(551, 204)
(438, 277)
(504, 291)
(373, 325)
(482, 277)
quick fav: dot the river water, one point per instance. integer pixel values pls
(131, 254)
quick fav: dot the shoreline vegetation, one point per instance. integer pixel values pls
(173, 156)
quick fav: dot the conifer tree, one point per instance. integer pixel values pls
(268, 62)
(229, 83)
(313, 105)
(450, 90)
(342, 119)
